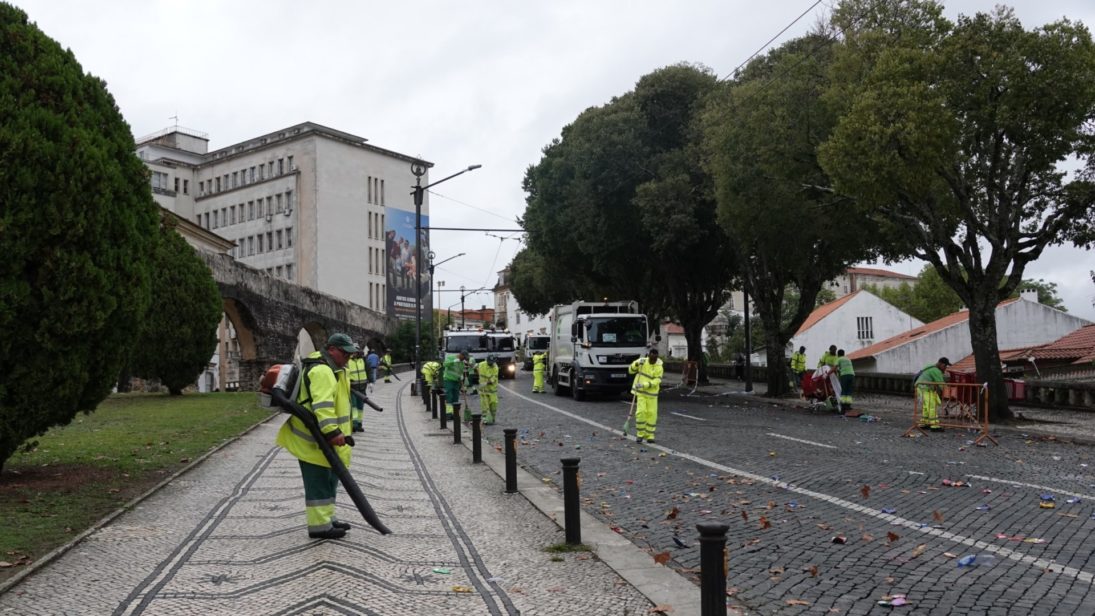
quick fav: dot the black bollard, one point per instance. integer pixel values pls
(443, 413)
(511, 460)
(435, 402)
(476, 439)
(455, 426)
(571, 508)
(712, 569)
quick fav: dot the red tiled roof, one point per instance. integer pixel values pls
(823, 311)
(1079, 344)
(673, 328)
(873, 271)
(950, 320)
(966, 364)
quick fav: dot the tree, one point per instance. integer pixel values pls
(76, 221)
(621, 206)
(928, 299)
(179, 331)
(761, 139)
(953, 138)
(401, 343)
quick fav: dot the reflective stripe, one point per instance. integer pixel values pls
(304, 436)
(323, 405)
(334, 421)
(645, 393)
(319, 503)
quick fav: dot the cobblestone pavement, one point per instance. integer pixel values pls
(827, 514)
(229, 538)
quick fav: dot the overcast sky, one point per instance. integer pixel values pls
(456, 83)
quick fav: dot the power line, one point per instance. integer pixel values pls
(771, 40)
(473, 229)
(437, 194)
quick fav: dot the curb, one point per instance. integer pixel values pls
(59, 551)
(658, 583)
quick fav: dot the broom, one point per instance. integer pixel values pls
(630, 414)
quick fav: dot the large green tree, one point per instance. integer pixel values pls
(762, 133)
(954, 137)
(179, 332)
(928, 299)
(621, 206)
(76, 221)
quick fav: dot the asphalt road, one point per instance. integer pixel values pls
(788, 483)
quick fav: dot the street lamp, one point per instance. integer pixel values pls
(462, 296)
(419, 168)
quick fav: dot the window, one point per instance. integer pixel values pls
(370, 293)
(260, 207)
(517, 315)
(250, 210)
(186, 187)
(288, 201)
(224, 216)
(288, 271)
(269, 240)
(278, 270)
(216, 219)
(278, 201)
(864, 328)
(199, 220)
(260, 243)
(369, 190)
(232, 212)
(207, 220)
(269, 206)
(252, 175)
(250, 245)
(288, 237)
(235, 179)
(279, 239)
(381, 192)
(270, 168)
(281, 166)
(226, 181)
(201, 188)
(218, 185)
(176, 184)
(290, 161)
(262, 168)
(370, 261)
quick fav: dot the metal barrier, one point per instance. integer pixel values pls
(690, 375)
(963, 406)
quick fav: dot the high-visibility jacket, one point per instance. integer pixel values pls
(325, 391)
(648, 377)
(844, 366)
(488, 377)
(538, 361)
(930, 374)
(798, 362)
(386, 361)
(355, 369)
(454, 368)
(827, 359)
(431, 370)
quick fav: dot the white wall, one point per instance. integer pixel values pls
(527, 324)
(840, 327)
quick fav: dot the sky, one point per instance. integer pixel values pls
(456, 83)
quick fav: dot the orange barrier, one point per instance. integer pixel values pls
(963, 406)
(690, 375)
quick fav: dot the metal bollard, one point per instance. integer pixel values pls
(571, 508)
(712, 569)
(443, 413)
(476, 439)
(435, 402)
(511, 460)
(456, 427)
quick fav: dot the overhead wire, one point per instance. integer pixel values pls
(771, 40)
(465, 204)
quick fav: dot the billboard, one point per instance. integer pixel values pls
(400, 252)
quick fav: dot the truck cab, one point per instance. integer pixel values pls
(534, 344)
(592, 346)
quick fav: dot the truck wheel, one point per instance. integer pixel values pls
(555, 386)
(576, 392)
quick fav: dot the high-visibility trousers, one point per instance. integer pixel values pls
(488, 405)
(929, 406)
(452, 397)
(320, 488)
(646, 415)
(538, 380)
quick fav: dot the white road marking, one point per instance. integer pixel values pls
(980, 546)
(688, 416)
(1031, 485)
(801, 440)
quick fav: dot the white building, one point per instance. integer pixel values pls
(307, 203)
(853, 322)
(1020, 322)
(507, 310)
(856, 278)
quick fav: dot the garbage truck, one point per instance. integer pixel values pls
(534, 343)
(478, 344)
(592, 345)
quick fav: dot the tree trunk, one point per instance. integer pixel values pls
(778, 384)
(125, 380)
(693, 332)
(986, 354)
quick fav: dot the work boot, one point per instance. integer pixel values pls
(331, 533)
(936, 428)
(341, 524)
(650, 441)
(639, 439)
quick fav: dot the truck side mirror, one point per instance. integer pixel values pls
(574, 338)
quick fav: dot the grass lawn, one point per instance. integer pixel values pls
(81, 472)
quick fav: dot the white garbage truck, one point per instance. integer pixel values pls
(478, 343)
(592, 345)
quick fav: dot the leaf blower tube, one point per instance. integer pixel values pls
(347, 480)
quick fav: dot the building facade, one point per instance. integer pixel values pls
(852, 322)
(517, 321)
(310, 204)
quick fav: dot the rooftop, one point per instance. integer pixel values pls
(873, 271)
(955, 318)
(823, 311)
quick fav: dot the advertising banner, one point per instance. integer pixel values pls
(400, 246)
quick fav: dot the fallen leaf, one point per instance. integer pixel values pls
(776, 571)
(868, 537)
(918, 550)
(463, 589)
(890, 580)
(745, 516)
(764, 523)
(865, 491)
(812, 570)
(661, 609)
(950, 555)
(824, 526)
(662, 558)
(796, 602)
(938, 517)
(672, 513)
(771, 504)
(892, 536)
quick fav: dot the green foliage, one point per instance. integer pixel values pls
(401, 343)
(762, 132)
(952, 138)
(179, 333)
(621, 207)
(928, 299)
(76, 223)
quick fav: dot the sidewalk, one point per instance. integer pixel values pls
(229, 537)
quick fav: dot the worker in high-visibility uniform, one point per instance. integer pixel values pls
(488, 388)
(648, 381)
(355, 369)
(798, 365)
(828, 358)
(847, 379)
(929, 393)
(386, 362)
(431, 372)
(538, 364)
(325, 392)
(472, 380)
(453, 379)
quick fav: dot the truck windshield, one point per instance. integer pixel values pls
(501, 344)
(455, 344)
(616, 331)
(539, 343)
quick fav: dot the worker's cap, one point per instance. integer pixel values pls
(944, 361)
(343, 342)
(492, 358)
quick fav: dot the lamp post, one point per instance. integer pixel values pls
(419, 168)
(462, 296)
(440, 283)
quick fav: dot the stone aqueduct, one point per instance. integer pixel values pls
(268, 313)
